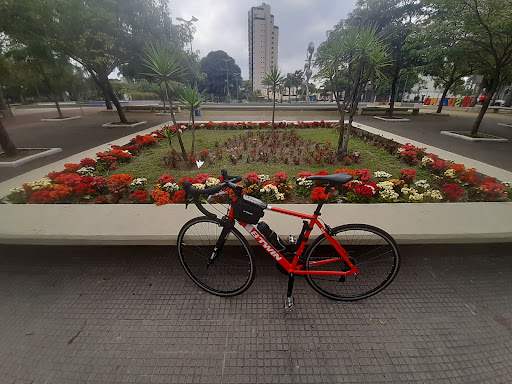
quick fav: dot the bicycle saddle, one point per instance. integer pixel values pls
(332, 180)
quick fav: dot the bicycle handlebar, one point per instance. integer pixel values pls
(228, 181)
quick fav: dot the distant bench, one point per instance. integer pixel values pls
(360, 110)
(150, 108)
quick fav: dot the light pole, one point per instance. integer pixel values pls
(227, 78)
(189, 27)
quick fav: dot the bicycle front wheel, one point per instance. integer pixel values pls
(374, 253)
(231, 272)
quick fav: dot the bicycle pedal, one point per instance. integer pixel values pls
(288, 303)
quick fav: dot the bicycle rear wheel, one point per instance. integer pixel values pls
(374, 253)
(231, 272)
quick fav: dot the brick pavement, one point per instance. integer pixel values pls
(130, 315)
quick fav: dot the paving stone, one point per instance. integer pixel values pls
(131, 315)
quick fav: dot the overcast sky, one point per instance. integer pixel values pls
(223, 25)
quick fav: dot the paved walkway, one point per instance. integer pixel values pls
(131, 315)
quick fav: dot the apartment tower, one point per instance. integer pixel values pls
(263, 39)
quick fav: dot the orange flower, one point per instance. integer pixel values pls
(457, 167)
(121, 179)
(60, 191)
(344, 170)
(119, 154)
(70, 167)
(160, 197)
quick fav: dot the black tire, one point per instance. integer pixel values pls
(373, 251)
(231, 273)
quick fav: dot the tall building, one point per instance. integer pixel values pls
(263, 42)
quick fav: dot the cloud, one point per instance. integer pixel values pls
(222, 25)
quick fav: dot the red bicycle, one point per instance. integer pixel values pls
(348, 262)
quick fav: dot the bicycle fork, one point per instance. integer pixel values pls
(226, 229)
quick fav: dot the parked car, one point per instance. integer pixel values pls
(499, 103)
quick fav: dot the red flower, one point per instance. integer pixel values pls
(201, 178)
(408, 175)
(179, 197)
(87, 162)
(184, 179)
(165, 178)
(304, 174)
(139, 196)
(41, 197)
(453, 191)
(318, 193)
(280, 177)
(322, 173)
(252, 178)
(364, 174)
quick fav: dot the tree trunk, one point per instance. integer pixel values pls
(6, 142)
(58, 108)
(389, 112)
(487, 101)
(4, 108)
(341, 110)
(165, 97)
(445, 92)
(180, 140)
(113, 97)
(192, 153)
(273, 108)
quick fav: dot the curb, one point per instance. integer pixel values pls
(408, 223)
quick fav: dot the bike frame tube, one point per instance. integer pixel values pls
(293, 267)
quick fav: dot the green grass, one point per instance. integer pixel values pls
(149, 163)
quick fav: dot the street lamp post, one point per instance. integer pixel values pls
(227, 78)
(189, 27)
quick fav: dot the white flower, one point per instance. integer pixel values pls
(506, 183)
(386, 185)
(211, 181)
(425, 160)
(86, 171)
(434, 194)
(400, 150)
(172, 187)
(198, 186)
(263, 178)
(450, 173)
(423, 184)
(389, 194)
(139, 182)
(20, 190)
(304, 183)
(381, 175)
(42, 183)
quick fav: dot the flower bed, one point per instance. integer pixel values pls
(88, 181)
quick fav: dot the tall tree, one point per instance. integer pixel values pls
(486, 25)
(100, 35)
(218, 67)
(274, 79)
(395, 21)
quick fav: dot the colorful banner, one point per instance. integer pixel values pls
(451, 102)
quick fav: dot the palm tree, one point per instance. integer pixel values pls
(166, 70)
(192, 99)
(274, 79)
